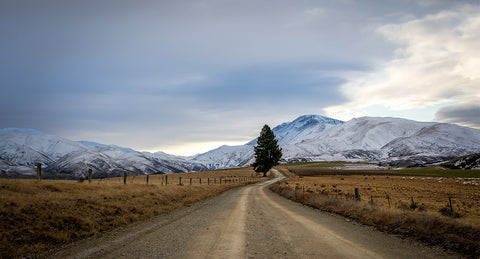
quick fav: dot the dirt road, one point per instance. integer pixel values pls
(247, 222)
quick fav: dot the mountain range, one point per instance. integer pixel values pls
(22, 149)
(393, 141)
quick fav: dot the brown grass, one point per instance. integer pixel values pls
(430, 193)
(335, 193)
(35, 217)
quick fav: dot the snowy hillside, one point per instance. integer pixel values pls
(302, 128)
(371, 138)
(317, 138)
(112, 162)
(227, 157)
(95, 144)
(22, 149)
(307, 138)
(465, 162)
(8, 168)
(29, 147)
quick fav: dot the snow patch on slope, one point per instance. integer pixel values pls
(227, 157)
(303, 128)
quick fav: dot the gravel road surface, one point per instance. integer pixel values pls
(247, 222)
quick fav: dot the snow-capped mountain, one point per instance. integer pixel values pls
(317, 138)
(372, 138)
(29, 147)
(307, 138)
(21, 149)
(288, 133)
(95, 144)
(226, 157)
(112, 161)
(302, 128)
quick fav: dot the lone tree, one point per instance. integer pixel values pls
(267, 151)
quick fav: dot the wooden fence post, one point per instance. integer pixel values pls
(166, 179)
(89, 175)
(124, 178)
(200, 181)
(39, 172)
(180, 180)
(215, 180)
(147, 178)
(190, 181)
(450, 201)
(357, 195)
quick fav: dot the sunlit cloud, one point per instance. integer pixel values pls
(436, 62)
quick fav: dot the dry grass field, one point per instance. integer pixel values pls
(35, 217)
(437, 210)
(396, 192)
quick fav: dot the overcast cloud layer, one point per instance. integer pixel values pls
(186, 76)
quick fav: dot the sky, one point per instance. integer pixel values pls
(187, 76)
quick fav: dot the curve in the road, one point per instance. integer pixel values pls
(247, 222)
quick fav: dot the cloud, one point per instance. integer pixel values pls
(149, 74)
(316, 11)
(467, 114)
(436, 61)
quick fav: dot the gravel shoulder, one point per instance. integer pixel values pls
(246, 222)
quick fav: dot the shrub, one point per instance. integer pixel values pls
(446, 211)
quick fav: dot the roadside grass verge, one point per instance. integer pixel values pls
(35, 217)
(419, 221)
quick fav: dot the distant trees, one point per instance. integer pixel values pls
(267, 151)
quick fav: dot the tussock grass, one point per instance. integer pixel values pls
(35, 217)
(428, 193)
(424, 223)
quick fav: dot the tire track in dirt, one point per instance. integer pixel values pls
(231, 241)
(334, 245)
